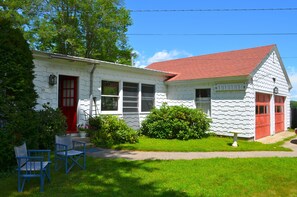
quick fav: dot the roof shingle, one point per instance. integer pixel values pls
(217, 65)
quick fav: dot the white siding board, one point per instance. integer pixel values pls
(230, 110)
(263, 82)
(49, 94)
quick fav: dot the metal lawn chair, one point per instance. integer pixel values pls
(32, 164)
(70, 153)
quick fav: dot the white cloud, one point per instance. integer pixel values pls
(167, 55)
(142, 61)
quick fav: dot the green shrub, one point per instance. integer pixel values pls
(175, 122)
(95, 124)
(17, 94)
(111, 130)
(7, 159)
(51, 122)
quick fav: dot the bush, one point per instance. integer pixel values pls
(36, 128)
(95, 124)
(175, 122)
(7, 159)
(17, 94)
(51, 122)
(111, 130)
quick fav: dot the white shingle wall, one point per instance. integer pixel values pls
(263, 82)
(133, 119)
(49, 94)
(230, 110)
(233, 111)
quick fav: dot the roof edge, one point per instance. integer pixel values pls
(274, 48)
(100, 62)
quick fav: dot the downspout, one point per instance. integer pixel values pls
(91, 89)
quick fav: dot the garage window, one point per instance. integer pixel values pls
(262, 109)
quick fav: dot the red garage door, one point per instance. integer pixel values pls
(262, 115)
(279, 113)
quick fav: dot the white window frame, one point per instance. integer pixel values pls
(118, 96)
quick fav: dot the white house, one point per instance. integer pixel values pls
(245, 90)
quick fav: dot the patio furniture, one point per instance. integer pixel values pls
(32, 164)
(70, 153)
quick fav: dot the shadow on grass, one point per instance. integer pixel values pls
(124, 147)
(103, 177)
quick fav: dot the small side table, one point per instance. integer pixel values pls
(235, 133)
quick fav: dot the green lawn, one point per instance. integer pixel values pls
(204, 177)
(200, 145)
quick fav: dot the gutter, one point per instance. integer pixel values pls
(91, 79)
(91, 89)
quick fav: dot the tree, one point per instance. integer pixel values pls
(17, 94)
(93, 29)
(293, 104)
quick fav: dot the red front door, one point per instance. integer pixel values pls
(279, 114)
(262, 115)
(68, 100)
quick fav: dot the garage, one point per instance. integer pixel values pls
(279, 113)
(262, 115)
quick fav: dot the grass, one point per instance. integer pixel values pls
(201, 145)
(205, 177)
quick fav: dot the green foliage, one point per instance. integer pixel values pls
(17, 94)
(93, 29)
(112, 130)
(19, 122)
(95, 124)
(51, 122)
(7, 158)
(293, 104)
(176, 122)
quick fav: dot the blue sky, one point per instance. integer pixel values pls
(165, 47)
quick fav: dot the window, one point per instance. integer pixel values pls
(147, 97)
(130, 97)
(203, 100)
(110, 96)
(279, 109)
(262, 109)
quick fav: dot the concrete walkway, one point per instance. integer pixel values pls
(140, 155)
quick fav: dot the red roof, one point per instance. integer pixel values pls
(217, 65)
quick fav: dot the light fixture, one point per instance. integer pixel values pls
(52, 79)
(275, 90)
